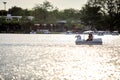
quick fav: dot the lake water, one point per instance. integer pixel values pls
(56, 57)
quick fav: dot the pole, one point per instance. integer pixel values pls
(4, 5)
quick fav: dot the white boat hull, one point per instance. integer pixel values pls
(97, 41)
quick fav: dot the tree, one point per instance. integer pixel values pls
(90, 15)
(15, 11)
(69, 14)
(26, 12)
(3, 13)
(53, 16)
(41, 11)
(110, 8)
(18, 11)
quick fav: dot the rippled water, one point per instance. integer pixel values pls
(56, 57)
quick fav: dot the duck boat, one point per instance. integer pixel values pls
(95, 41)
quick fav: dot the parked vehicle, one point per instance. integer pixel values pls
(88, 32)
(100, 33)
(115, 33)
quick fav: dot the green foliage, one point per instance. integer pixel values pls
(40, 14)
(2, 19)
(101, 14)
(79, 26)
(18, 11)
(26, 26)
(69, 14)
(24, 19)
(90, 15)
(47, 6)
(109, 8)
(46, 13)
(3, 13)
(15, 11)
(41, 11)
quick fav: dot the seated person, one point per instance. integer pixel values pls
(90, 37)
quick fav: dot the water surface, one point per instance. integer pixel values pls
(56, 57)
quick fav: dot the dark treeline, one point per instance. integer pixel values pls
(98, 14)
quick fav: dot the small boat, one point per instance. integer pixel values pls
(96, 41)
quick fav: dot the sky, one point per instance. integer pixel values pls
(29, 4)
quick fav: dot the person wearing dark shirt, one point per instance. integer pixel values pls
(90, 37)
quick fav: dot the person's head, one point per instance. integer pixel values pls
(90, 34)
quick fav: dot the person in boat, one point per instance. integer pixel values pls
(90, 37)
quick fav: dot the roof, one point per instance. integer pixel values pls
(62, 21)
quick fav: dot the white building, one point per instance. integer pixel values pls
(10, 17)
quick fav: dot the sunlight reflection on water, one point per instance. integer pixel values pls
(56, 57)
